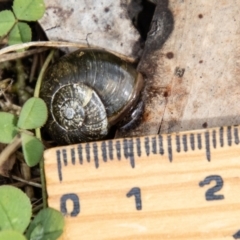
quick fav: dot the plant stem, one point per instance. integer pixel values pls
(40, 76)
(37, 131)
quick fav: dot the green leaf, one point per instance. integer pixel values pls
(29, 10)
(15, 209)
(11, 235)
(20, 33)
(7, 21)
(37, 233)
(52, 222)
(32, 149)
(33, 114)
(8, 128)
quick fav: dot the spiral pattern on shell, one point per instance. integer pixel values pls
(87, 92)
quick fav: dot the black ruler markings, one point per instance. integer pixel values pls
(207, 146)
(199, 141)
(169, 146)
(64, 153)
(184, 139)
(104, 151)
(118, 149)
(150, 145)
(192, 141)
(160, 144)
(128, 151)
(110, 149)
(178, 143)
(214, 139)
(80, 156)
(95, 154)
(59, 165)
(236, 136)
(221, 136)
(138, 143)
(73, 156)
(154, 145)
(87, 151)
(229, 135)
(147, 146)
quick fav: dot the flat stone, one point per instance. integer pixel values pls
(104, 24)
(191, 64)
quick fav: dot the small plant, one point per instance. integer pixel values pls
(15, 215)
(11, 22)
(33, 115)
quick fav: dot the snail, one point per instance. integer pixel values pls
(87, 92)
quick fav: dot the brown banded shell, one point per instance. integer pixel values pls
(86, 93)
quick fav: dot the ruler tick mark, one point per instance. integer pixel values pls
(199, 140)
(59, 165)
(192, 142)
(73, 156)
(160, 139)
(64, 153)
(110, 149)
(229, 135)
(207, 142)
(104, 151)
(221, 136)
(154, 145)
(118, 148)
(138, 147)
(131, 153)
(95, 154)
(80, 157)
(128, 151)
(147, 147)
(236, 136)
(169, 142)
(178, 143)
(184, 139)
(214, 139)
(87, 149)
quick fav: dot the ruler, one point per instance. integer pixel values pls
(176, 186)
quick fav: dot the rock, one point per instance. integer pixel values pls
(191, 65)
(104, 24)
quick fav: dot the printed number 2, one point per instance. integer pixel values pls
(210, 193)
(136, 191)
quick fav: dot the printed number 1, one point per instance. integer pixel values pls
(136, 191)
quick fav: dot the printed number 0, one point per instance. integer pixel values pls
(210, 193)
(76, 204)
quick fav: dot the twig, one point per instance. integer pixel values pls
(17, 55)
(58, 44)
(27, 182)
(10, 149)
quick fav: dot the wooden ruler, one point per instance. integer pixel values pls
(176, 186)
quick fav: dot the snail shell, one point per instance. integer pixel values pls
(87, 92)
